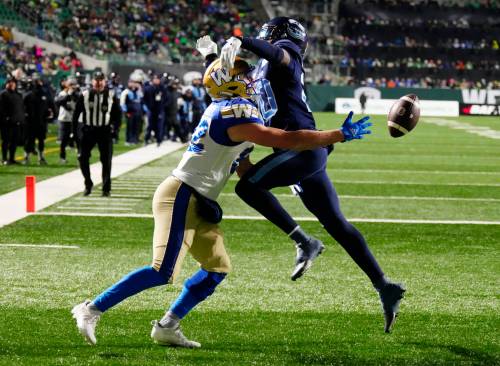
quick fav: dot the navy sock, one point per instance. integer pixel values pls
(298, 235)
(133, 283)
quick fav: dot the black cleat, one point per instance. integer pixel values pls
(87, 191)
(306, 254)
(106, 193)
(391, 296)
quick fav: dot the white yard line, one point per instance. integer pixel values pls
(131, 196)
(415, 183)
(106, 200)
(94, 208)
(303, 218)
(406, 198)
(51, 246)
(467, 127)
(402, 171)
(393, 182)
(55, 189)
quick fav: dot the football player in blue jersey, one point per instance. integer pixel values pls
(281, 45)
(186, 214)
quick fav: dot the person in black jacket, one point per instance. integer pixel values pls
(96, 121)
(11, 120)
(155, 98)
(38, 104)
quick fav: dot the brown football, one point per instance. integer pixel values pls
(403, 116)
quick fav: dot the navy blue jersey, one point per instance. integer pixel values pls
(288, 87)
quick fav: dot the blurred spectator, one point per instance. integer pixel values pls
(155, 98)
(132, 105)
(66, 101)
(39, 109)
(11, 120)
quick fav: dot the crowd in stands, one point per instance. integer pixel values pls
(420, 43)
(32, 59)
(162, 28)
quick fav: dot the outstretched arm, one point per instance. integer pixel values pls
(263, 49)
(301, 139)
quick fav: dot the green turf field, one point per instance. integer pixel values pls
(12, 176)
(258, 316)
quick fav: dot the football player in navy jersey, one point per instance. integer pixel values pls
(186, 214)
(281, 45)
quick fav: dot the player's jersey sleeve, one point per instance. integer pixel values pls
(232, 113)
(295, 67)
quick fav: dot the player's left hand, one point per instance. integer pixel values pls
(206, 46)
(229, 51)
(355, 130)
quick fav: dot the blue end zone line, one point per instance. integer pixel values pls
(300, 218)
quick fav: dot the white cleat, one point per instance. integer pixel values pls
(171, 336)
(85, 321)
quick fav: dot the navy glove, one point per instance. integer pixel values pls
(357, 129)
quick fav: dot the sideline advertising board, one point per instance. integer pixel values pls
(431, 108)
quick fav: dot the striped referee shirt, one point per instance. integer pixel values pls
(97, 109)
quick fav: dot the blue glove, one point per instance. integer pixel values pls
(357, 129)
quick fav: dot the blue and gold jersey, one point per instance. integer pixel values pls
(211, 155)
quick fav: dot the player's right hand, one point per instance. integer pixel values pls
(206, 46)
(229, 51)
(355, 130)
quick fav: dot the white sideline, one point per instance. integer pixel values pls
(53, 190)
(50, 246)
(384, 198)
(300, 218)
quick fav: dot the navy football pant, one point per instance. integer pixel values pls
(307, 168)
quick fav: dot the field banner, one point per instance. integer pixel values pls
(479, 110)
(431, 108)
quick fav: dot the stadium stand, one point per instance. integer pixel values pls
(166, 30)
(33, 59)
(444, 44)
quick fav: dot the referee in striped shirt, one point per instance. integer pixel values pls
(95, 121)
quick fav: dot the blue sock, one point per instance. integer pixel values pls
(133, 283)
(196, 289)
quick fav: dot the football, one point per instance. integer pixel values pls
(403, 116)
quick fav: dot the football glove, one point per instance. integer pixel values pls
(229, 51)
(355, 130)
(206, 46)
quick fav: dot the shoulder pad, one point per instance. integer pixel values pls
(288, 45)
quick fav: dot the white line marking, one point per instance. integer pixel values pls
(406, 198)
(103, 203)
(131, 196)
(424, 172)
(54, 246)
(107, 200)
(303, 218)
(93, 208)
(388, 183)
(92, 214)
(416, 183)
(467, 127)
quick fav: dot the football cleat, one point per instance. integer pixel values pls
(391, 296)
(85, 321)
(171, 336)
(306, 254)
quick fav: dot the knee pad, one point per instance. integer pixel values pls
(203, 283)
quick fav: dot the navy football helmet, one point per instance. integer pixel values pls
(285, 28)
